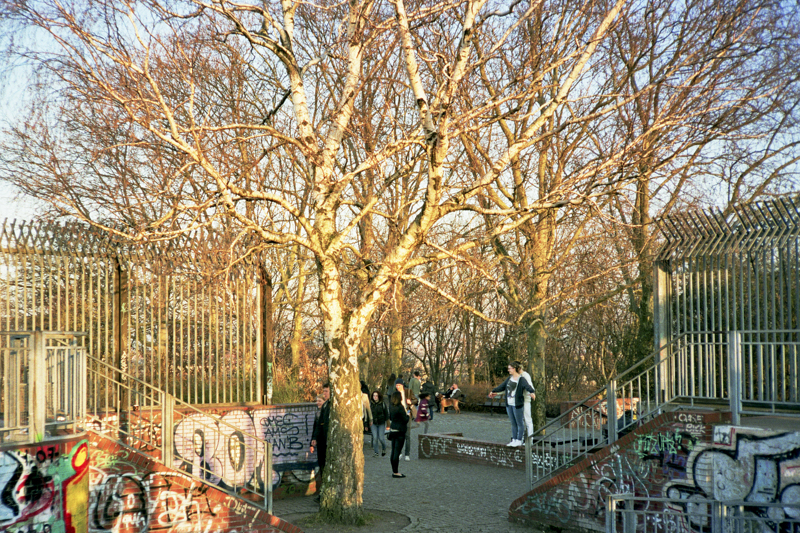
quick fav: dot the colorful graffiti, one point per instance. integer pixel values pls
(750, 465)
(216, 445)
(45, 488)
(226, 450)
(682, 462)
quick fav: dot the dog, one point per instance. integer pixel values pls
(448, 402)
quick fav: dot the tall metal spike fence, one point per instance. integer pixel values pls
(177, 316)
(736, 271)
(727, 295)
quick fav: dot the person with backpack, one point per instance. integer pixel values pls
(380, 414)
(423, 411)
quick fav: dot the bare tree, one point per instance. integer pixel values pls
(430, 128)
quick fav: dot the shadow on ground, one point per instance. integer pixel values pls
(380, 522)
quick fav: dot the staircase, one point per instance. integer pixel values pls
(658, 437)
(143, 476)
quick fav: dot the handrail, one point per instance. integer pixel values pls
(582, 428)
(696, 368)
(712, 516)
(142, 416)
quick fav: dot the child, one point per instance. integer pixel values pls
(423, 411)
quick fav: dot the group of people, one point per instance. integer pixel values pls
(392, 419)
(389, 419)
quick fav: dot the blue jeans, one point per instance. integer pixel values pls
(379, 437)
(517, 423)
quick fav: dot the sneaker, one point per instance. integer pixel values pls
(384, 453)
(375, 454)
(408, 458)
(512, 443)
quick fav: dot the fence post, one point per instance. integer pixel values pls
(37, 384)
(611, 509)
(661, 323)
(268, 475)
(528, 462)
(167, 429)
(735, 375)
(611, 410)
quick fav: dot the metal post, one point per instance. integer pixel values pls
(268, 475)
(611, 518)
(661, 323)
(611, 409)
(735, 375)
(528, 462)
(716, 517)
(167, 428)
(37, 385)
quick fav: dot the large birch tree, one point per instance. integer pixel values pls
(152, 118)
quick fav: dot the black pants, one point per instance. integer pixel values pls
(397, 451)
(322, 452)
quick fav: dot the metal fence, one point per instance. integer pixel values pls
(628, 513)
(43, 393)
(128, 410)
(746, 372)
(184, 316)
(734, 271)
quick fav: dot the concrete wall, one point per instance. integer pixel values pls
(44, 488)
(132, 494)
(453, 446)
(678, 455)
(287, 427)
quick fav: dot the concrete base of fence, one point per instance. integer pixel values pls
(455, 447)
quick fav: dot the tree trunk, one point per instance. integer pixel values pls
(396, 334)
(343, 476)
(297, 322)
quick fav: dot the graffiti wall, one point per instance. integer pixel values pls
(132, 495)
(455, 447)
(645, 462)
(682, 456)
(231, 451)
(756, 466)
(45, 487)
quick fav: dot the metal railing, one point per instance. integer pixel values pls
(630, 514)
(143, 417)
(43, 387)
(746, 372)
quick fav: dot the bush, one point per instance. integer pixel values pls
(475, 396)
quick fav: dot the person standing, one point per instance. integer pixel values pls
(380, 414)
(429, 389)
(406, 401)
(390, 389)
(514, 386)
(415, 384)
(423, 411)
(398, 423)
(526, 408)
(319, 437)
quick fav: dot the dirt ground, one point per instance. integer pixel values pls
(380, 521)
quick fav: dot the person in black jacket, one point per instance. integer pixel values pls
(380, 414)
(514, 387)
(319, 437)
(398, 419)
